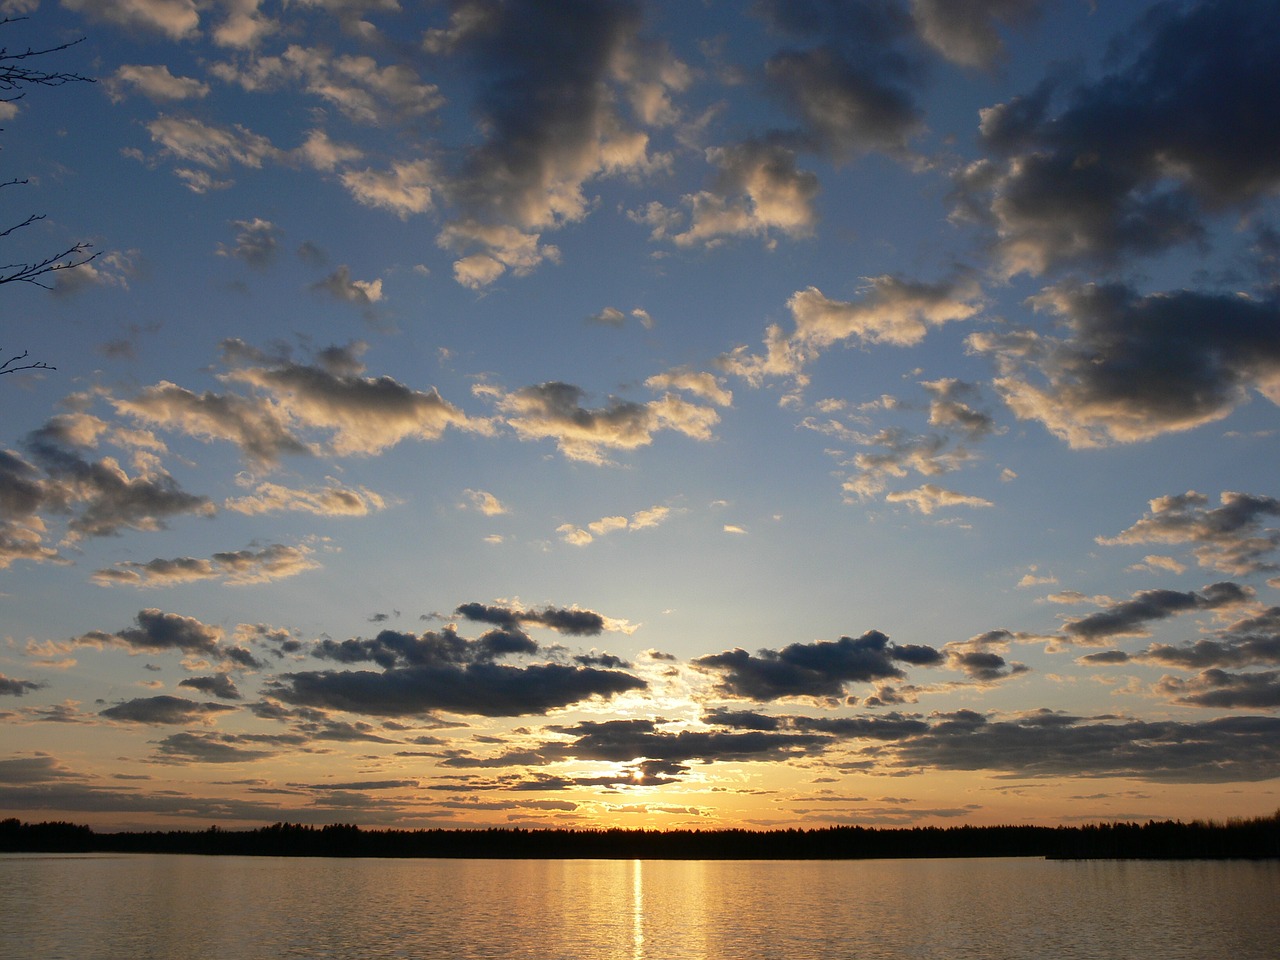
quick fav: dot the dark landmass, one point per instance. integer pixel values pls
(1256, 839)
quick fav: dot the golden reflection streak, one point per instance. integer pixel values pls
(637, 909)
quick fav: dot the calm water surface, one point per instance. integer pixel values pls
(211, 908)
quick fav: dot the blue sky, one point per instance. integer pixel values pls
(652, 414)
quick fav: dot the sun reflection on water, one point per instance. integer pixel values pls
(637, 909)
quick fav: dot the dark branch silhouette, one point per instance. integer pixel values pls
(14, 364)
(17, 72)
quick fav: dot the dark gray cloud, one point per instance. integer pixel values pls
(550, 80)
(1254, 641)
(1136, 366)
(846, 107)
(13, 687)
(40, 768)
(164, 709)
(1133, 161)
(890, 727)
(391, 648)
(157, 630)
(575, 623)
(543, 100)
(820, 669)
(21, 486)
(984, 666)
(477, 688)
(606, 660)
(951, 408)
(208, 748)
(219, 685)
(1224, 690)
(1226, 750)
(853, 92)
(257, 243)
(1130, 617)
(1230, 537)
(625, 740)
(102, 498)
(342, 287)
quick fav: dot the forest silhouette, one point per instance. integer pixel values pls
(1251, 839)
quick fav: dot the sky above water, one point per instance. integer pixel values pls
(651, 414)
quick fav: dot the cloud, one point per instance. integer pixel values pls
(13, 687)
(1229, 538)
(853, 92)
(155, 83)
(893, 310)
(164, 710)
(981, 657)
(340, 286)
(407, 188)
(1048, 745)
(257, 243)
(333, 500)
(950, 409)
(477, 689)
(219, 685)
(244, 25)
(1129, 618)
(216, 148)
(1253, 641)
(1222, 690)
(547, 106)
(931, 497)
(965, 31)
(902, 453)
(627, 740)
(175, 19)
(613, 317)
(356, 85)
(22, 494)
(817, 670)
(158, 631)
(640, 520)
(321, 153)
(701, 384)
(262, 432)
(554, 411)
(189, 747)
(360, 415)
(1133, 161)
(1134, 367)
(391, 648)
(571, 621)
(102, 497)
(484, 502)
(758, 190)
(847, 108)
(239, 567)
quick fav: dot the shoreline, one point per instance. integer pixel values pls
(1252, 839)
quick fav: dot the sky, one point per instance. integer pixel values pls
(740, 413)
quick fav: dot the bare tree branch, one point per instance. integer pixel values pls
(18, 71)
(8, 365)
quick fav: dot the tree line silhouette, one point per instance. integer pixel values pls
(1250, 839)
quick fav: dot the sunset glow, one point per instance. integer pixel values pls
(644, 413)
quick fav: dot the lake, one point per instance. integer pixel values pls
(172, 907)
